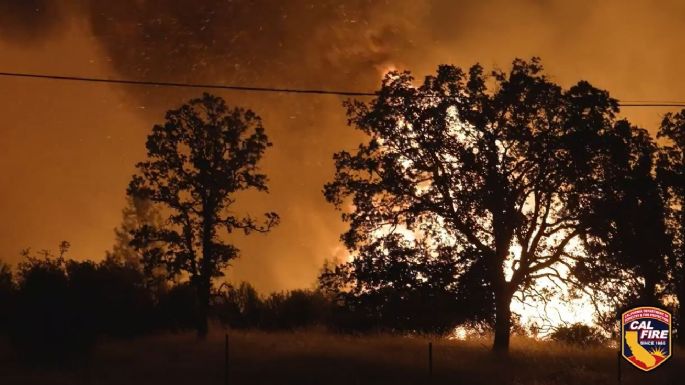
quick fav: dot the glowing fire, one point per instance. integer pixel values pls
(385, 68)
(534, 312)
(552, 312)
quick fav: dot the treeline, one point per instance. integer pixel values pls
(53, 307)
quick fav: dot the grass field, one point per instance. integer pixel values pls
(314, 357)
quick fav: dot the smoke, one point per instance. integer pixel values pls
(30, 21)
(312, 44)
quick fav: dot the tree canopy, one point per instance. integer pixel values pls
(628, 237)
(671, 174)
(500, 170)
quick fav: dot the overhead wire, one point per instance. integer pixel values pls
(231, 87)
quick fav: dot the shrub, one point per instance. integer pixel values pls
(578, 334)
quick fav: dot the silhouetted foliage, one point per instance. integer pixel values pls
(61, 306)
(177, 309)
(7, 294)
(578, 334)
(627, 234)
(45, 325)
(198, 159)
(671, 174)
(296, 309)
(501, 169)
(125, 302)
(243, 307)
(396, 287)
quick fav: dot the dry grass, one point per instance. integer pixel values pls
(315, 357)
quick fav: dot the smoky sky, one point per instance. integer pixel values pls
(67, 150)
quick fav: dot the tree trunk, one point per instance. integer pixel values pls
(203, 309)
(649, 291)
(502, 321)
(680, 310)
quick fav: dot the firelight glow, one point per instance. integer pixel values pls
(535, 314)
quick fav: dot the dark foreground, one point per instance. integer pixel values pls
(304, 358)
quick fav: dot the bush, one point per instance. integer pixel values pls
(296, 309)
(578, 334)
(43, 326)
(240, 307)
(177, 309)
(61, 307)
(110, 298)
(7, 294)
(243, 307)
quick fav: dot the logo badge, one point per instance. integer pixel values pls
(646, 337)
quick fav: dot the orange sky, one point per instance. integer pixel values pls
(67, 150)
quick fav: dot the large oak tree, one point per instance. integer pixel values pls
(501, 168)
(198, 160)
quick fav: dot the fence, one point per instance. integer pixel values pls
(227, 380)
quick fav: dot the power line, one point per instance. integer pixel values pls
(656, 104)
(654, 101)
(187, 85)
(626, 103)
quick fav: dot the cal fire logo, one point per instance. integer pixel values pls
(646, 335)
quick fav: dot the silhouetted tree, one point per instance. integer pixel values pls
(500, 169)
(671, 171)
(6, 281)
(6, 296)
(628, 235)
(198, 159)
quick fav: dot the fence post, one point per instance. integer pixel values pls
(618, 366)
(226, 360)
(430, 359)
